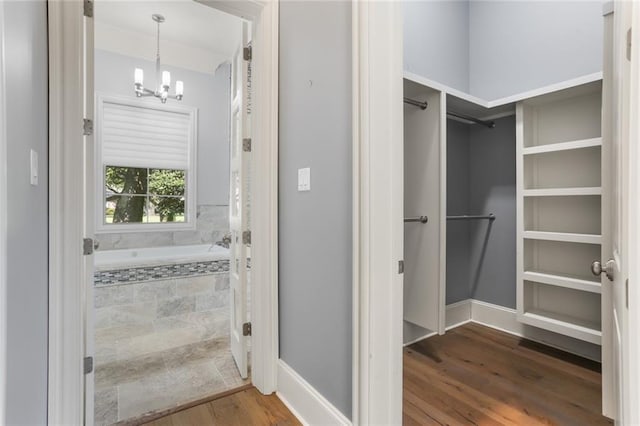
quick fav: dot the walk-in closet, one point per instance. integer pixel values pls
(503, 222)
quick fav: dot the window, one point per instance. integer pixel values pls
(146, 165)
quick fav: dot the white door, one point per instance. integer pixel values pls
(89, 221)
(614, 263)
(238, 212)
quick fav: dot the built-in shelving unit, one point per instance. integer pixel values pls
(559, 187)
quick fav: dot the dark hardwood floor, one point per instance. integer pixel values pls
(475, 375)
(247, 407)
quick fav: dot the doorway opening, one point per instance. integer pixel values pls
(168, 325)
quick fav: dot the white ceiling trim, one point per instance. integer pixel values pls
(138, 45)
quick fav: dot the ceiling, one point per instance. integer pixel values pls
(186, 22)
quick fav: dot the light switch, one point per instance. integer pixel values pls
(34, 168)
(304, 179)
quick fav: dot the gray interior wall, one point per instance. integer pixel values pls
(517, 46)
(492, 189)
(315, 227)
(436, 41)
(458, 169)
(209, 93)
(493, 49)
(25, 28)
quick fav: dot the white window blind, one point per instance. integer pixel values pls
(143, 136)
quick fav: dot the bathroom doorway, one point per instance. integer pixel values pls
(172, 107)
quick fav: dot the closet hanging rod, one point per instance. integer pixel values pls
(421, 219)
(421, 105)
(491, 217)
(489, 124)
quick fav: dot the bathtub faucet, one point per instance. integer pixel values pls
(226, 241)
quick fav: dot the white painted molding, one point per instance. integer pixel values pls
(264, 196)
(66, 178)
(3, 226)
(505, 319)
(506, 100)
(304, 401)
(458, 313)
(378, 217)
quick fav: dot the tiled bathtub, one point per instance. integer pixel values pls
(151, 312)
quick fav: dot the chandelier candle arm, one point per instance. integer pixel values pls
(163, 78)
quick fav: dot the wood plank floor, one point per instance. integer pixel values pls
(474, 375)
(247, 407)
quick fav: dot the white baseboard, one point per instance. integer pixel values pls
(505, 319)
(458, 313)
(306, 403)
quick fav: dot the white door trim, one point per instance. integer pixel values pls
(377, 212)
(66, 275)
(3, 226)
(633, 325)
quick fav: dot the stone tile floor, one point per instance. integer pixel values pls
(146, 368)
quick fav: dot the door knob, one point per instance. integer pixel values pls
(597, 268)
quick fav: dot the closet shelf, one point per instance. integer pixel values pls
(562, 192)
(565, 281)
(563, 324)
(563, 236)
(564, 146)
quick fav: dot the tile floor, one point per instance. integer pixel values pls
(161, 349)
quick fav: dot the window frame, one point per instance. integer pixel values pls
(190, 174)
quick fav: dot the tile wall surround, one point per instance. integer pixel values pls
(161, 343)
(103, 278)
(212, 222)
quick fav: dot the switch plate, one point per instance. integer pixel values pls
(304, 179)
(34, 168)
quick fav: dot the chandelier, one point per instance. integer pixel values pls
(163, 79)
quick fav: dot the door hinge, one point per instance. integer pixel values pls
(401, 266)
(88, 8)
(246, 144)
(246, 237)
(629, 44)
(87, 127)
(626, 292)
(246, 329)
(88, 364)
(247, 53)
(87, 246)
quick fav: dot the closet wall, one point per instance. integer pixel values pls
(458, 185)
(478, 46)
(492, 189)
(436, 41)
(481, 179)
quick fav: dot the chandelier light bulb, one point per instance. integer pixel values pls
(139, 76)
(166, 79)
(179, 88)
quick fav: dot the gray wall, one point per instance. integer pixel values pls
(493, 49)
(27, 288)
(315, 227)
(209, 93)
(523, 45)
(458, 169)
(481, 179)
(492, 189)
(436, 41)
